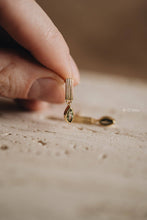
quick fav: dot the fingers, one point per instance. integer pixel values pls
(23, 78)
(29, 25)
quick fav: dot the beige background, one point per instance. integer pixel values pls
(107, 36)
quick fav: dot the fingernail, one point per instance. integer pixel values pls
(75, 71)
(47, 89)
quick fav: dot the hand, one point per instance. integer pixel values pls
(34, 57)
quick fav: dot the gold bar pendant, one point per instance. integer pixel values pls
(68, 113)
(69, 90)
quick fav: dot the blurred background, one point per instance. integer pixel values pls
(104, 36)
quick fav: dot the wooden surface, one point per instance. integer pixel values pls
(52, 170)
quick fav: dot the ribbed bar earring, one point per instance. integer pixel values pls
(68, 113)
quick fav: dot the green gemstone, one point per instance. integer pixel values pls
(69, 115)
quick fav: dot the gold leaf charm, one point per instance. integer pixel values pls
(68, 114)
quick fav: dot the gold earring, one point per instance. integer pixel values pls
(103, 121)
(68, 113)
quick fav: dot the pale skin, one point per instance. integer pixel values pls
(34, 57)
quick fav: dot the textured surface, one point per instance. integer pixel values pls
(52, 170)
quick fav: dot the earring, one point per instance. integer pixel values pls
(68, 113)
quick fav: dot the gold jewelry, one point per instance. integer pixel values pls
(69, 114)
(104, 121)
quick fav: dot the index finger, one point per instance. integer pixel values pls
(30, 26)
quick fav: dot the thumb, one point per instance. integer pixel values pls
(30, 27)
(23, 78)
